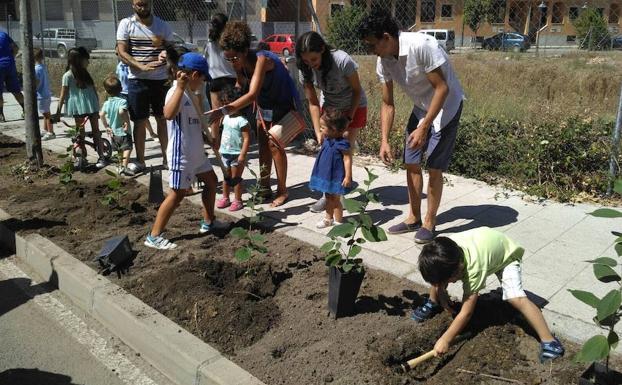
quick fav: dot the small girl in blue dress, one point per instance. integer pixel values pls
(332, 171)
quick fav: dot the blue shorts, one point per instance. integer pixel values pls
(144, 93)
(8, 76)
(230, 160)
(439, 145)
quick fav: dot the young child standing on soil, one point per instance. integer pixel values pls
(233, 148)
(186, 156)
(116, 119)
(332, 171)
(79, 94)
(44, 96)
(472, 256)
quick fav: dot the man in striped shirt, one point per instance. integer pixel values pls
(141, 40)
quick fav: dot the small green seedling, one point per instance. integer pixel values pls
(115, 184)
(66, 170)
(346, 259)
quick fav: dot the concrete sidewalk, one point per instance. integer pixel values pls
(558, 238)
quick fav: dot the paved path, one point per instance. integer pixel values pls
(558, 238)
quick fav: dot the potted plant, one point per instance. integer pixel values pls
(346, 271)
(608, 312)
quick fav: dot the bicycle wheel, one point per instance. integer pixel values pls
(106, 148)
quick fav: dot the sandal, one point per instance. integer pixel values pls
(236, 205)
(223, 202)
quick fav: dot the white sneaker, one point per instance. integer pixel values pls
(101, 163)
(159, 242)
(48, 136)
(324, 223)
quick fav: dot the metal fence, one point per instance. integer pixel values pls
(468, 22)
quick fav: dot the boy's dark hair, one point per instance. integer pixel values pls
(37, 53)
(335, 119)
(216, 26)
(377, 23)
(313, 42)
(440, 260)
(230, 94)
(112, 85)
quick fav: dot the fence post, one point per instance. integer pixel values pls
(615, 147)
(115, 17)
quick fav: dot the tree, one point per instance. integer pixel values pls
(592, 32)
(477, 12)
(342, 29)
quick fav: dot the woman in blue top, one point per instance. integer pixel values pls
(269, 84)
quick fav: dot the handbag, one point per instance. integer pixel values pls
(286, 129)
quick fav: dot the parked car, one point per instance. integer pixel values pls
(61, 40)
(446, 37)
(616, 42)
(505, 41)
(178, 40)
(281, 43)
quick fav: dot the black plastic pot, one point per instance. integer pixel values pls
(343, 288)
(597, 374)
(156, 192)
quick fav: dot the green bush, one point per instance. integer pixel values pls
(552, 160)
(342, 30)
(592, 32)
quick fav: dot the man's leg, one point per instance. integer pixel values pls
(414, 179)
(139, 139)
(162, 136)
(435, 191)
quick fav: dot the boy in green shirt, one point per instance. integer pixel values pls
(116, 119)
(471, 257)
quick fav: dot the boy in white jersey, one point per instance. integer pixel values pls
(186, 156)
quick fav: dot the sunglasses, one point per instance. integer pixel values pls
(232, 59)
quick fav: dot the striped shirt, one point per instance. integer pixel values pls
(145, 44)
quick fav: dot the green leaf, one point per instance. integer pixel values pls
(606, 213)
(609, 304)
(354, 251)
(347, 267)
(328, 246)
(595, 349)
(374, 234)
(111, 173)
(259, 248)
(613, 340)
(114, 184)
(586, 297)
(365, 220)
(333, 259)
(360, 191)
(257, 238)
(238, 232)
(605, 273)
(617, 186)
(605, 261)
(618, 248)
(360, 240)
(352, 206)
(243, 254)
(372, 197)
(69, 149)
(342, 230)
(62, 156)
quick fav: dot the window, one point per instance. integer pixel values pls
(406, 13)
(359, 3)
(558, 13)
(614, 13)
(446, 11)
(428, 11)
(498, 12)
(335, 8)
(573, 13)
(441, 36)
(280, 39)
(601, 11)
(270, 39)
(54, 10)
(90, 9)
(571, 38)
(49, 34)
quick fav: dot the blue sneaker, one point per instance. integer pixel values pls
(205, 227)
(159, 242)
(426, 311)
(551, 350)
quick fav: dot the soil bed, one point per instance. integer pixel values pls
(269, 315)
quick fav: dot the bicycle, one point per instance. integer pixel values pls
(79, 144)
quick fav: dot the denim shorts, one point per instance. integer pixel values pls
(144, 93)
(8, 78)
(230, 160)
(122, 143)
(439, 146)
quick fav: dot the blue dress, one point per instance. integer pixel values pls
(329, 169)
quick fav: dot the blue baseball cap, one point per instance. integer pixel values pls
(194, 62)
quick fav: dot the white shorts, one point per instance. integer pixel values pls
(511, 281)
(182, 179)
(44, 105)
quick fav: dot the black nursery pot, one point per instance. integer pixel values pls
(343, 288)
(597, 374)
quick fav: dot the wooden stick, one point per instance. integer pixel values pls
(417, 360)
(489, 376)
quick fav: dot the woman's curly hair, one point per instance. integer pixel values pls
(236, 37)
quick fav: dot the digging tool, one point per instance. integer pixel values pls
(410, 364)
(231, 181)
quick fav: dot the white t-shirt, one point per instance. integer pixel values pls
(140, 39)
(185, 138)
(420, 54)
(218, 66)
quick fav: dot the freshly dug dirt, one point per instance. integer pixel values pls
(269, 315)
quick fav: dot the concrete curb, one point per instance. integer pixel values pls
(179, 355)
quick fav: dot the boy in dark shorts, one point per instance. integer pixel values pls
(116, 119)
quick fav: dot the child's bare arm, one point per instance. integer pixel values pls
(347, 163)
(246, 142)
(61, 100)
(172, 107)
(457, 325)
(102, 116)
(125, 116)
